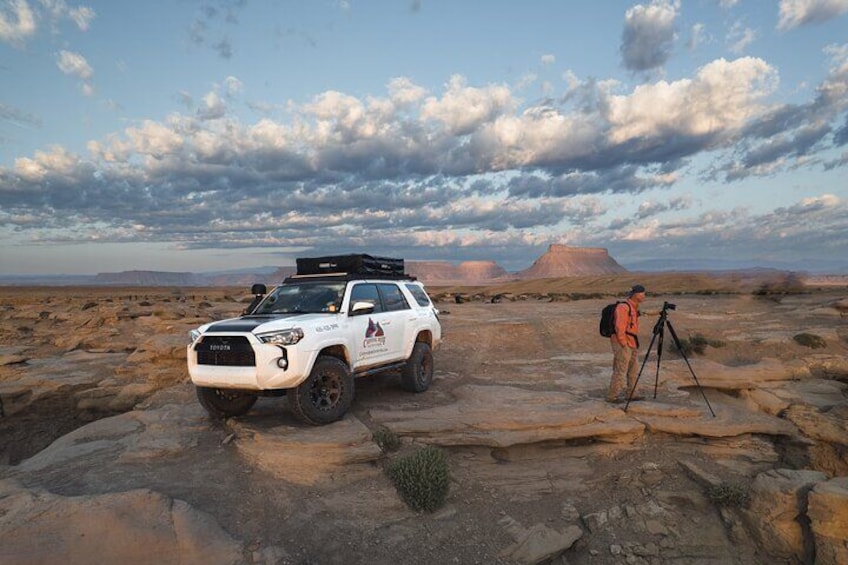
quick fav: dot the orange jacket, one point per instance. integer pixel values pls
(627, 324)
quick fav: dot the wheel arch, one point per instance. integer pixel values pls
(425, 336)
(338, 351)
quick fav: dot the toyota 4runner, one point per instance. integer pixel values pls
(338, 318)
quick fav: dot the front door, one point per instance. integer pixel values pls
(371, 344)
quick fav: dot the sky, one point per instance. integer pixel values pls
(216, 135)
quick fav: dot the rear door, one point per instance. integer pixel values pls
(398, 319)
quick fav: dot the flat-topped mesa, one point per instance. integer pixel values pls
(564, 261)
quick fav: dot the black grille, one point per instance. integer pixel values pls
(230, 351)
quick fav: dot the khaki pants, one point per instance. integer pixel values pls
(624, 363)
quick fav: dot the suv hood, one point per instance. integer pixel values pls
(262, 324)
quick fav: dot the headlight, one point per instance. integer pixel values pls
(282, 337)
(193, 335)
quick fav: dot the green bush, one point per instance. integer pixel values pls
(698, 344)
(728, 494)
(810, 340)
(386, 439)
(422, 479)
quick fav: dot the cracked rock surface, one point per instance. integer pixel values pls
(107, 453)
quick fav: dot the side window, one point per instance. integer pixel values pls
(393, 298)
(366, 293)
(418, 294)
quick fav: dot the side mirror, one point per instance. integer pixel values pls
(258, 289)
(361, 308)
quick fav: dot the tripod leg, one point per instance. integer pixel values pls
(680, 349)
(659, 358)
(642, 368)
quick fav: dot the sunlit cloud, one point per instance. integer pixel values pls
(794, 13)
(649, 34)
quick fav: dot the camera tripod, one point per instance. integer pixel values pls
(658, 337)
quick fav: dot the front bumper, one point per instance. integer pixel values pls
(242, 361)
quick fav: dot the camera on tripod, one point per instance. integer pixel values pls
(658, 338)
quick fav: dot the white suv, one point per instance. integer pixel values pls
(309, 337)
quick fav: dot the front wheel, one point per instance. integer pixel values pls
(224, 403)
(325, 395)
(418, 371)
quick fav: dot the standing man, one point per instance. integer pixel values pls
(625, 346)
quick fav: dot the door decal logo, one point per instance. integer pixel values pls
(375, 340)
(374, 330)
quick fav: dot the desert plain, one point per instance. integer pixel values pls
(741, 456)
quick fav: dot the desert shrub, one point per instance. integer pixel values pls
(728, 494)
(422, 479)
(810, 340)
(585, 295)
(742, 360)
(698, 344)
(386, 439)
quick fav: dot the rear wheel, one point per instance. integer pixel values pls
(326, 395)
(224, 403)
(418, 372)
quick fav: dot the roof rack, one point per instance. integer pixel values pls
(324, 277)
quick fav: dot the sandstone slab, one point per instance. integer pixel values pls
(140, 526)
(731, 419)
(778, 501)
(339, 452)
(828, 513)
(502, 416)
(136, 435)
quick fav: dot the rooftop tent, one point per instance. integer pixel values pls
(355, 264)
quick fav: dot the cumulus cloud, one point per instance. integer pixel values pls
(649, 34)
(470, 165)
(786, 135)
(74, 64)
(740, 37)
(795, 13)
(19, 18)
(17, 22)
(463, 108)
(82, 16)
(697, 36)
(652, 207)
(721, 98)
(811, 229)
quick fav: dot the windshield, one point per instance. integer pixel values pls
(303, 298)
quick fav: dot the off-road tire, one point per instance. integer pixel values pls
(418, 372)
(224, 403)
(326, 395)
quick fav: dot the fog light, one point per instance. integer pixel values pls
(283, 363)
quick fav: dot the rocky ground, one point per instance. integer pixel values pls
(107, 456)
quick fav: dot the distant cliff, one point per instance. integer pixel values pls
(148, 278)
(558, 261)
(564, 261)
